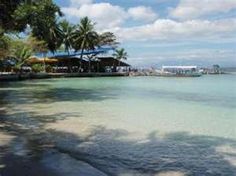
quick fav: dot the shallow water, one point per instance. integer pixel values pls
(134, 125)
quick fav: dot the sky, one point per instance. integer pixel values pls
(164, 32)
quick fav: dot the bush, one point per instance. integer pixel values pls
(49, 69)
(37, 68)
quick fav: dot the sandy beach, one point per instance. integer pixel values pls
(25, 153)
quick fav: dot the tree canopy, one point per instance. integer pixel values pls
(16, 15)
(120, 54)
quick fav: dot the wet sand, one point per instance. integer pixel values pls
(13, 162)
(20, 156)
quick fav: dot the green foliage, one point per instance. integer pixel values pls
(20, 49)
(44, 25)
(67, 32)
(39, 15)
(4, 46)
(21, 55)
(108, 38)
(17, 14)
(37, 46)
(7, 9)
(85, 37)
(120, 54)
(37, 68)
(49, 68)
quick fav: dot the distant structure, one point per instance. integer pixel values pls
(191, 71)
(214, 70)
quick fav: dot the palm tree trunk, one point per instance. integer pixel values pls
(70, 62)
(44, 63)
(81, 56)
(89, 65)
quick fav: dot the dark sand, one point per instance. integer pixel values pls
(20, 156)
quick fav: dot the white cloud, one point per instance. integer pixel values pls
(166, 29)
(104, 14)
(78, 3)
(188, 57)
(142, 13)
(191, 9)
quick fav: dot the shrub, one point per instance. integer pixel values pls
(49, 69)
(37, 68)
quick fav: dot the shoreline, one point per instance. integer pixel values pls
(29, 76)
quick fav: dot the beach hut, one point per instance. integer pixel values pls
(92, 61)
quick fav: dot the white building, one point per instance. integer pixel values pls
(181, 70)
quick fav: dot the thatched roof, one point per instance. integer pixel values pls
(36, 60)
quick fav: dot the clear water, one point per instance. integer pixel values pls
(135, 125)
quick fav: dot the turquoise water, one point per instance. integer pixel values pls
(135, 125)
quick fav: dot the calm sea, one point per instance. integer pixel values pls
(134, 125)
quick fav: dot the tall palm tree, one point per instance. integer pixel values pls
(120, 54)
(67, 32)
(50, 32)
(85, 37)
(54, 37)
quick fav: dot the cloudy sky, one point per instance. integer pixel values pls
(159, 32)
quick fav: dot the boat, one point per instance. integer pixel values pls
(180, 71)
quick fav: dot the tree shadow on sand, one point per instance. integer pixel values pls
(180, 152)
(111, 152)
(21, 153)
(108, 150)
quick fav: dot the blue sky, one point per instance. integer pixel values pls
(160, 32)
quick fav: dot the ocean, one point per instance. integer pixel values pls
(133, 125)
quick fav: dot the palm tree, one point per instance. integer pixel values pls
(67, 31)
(22, 55)
(85, 37)
(51, 33)
(108, 38)
(54, 38)
(120, 54)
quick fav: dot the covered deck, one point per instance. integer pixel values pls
(92, 61)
